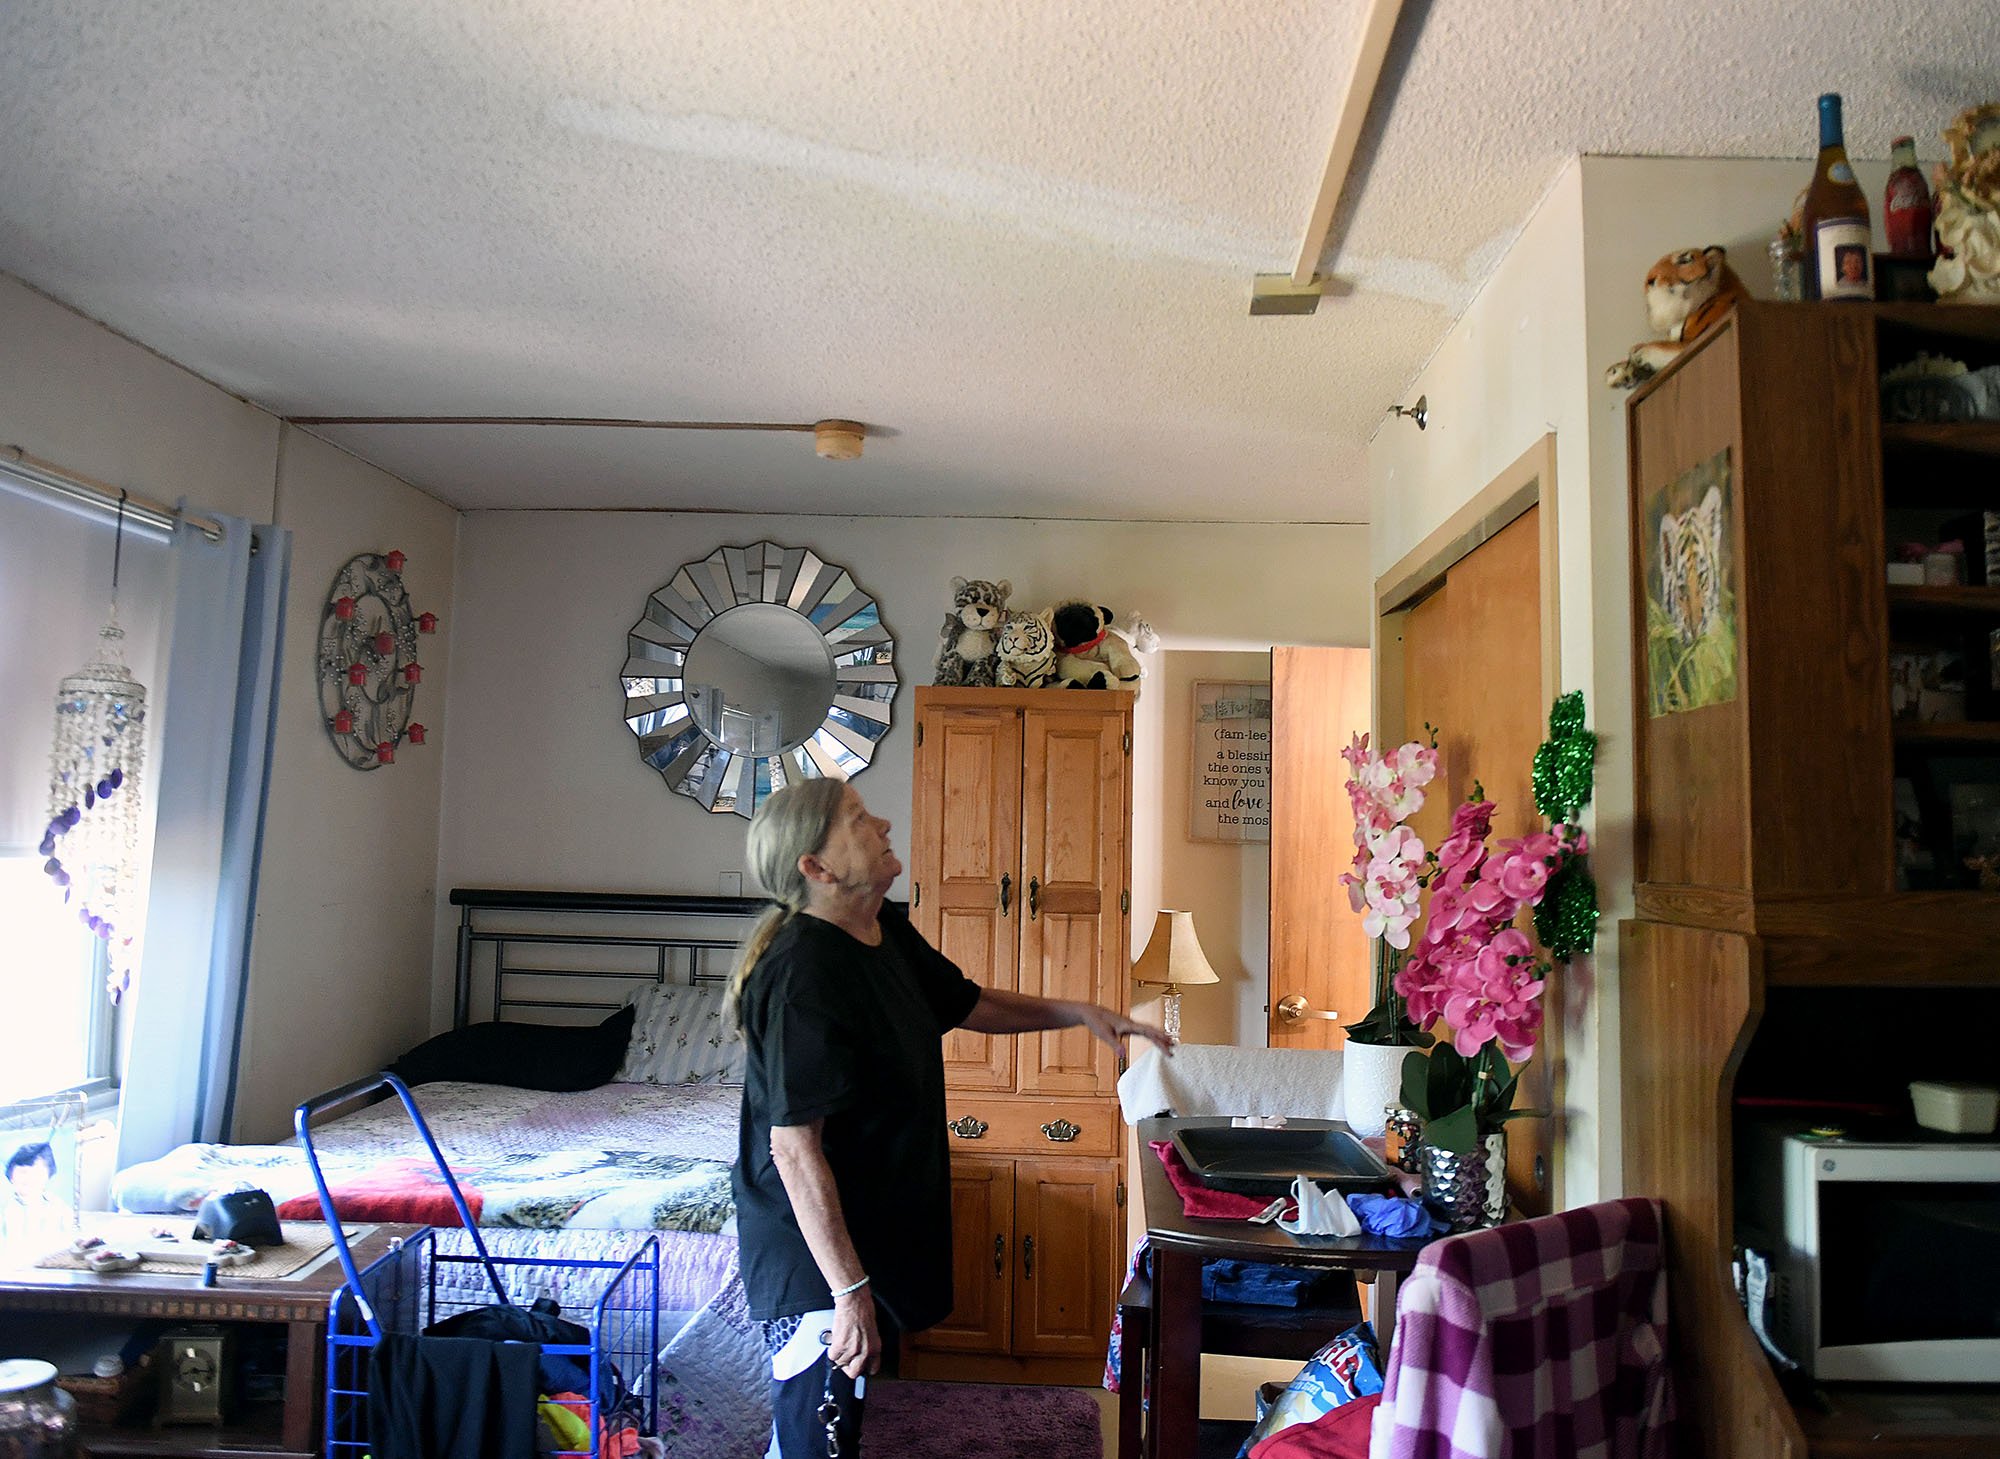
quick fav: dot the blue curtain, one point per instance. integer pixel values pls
(211, 781)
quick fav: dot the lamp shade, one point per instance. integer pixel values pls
(1173, 954)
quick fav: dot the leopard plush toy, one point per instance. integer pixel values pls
(1687, 294)
(971, 632)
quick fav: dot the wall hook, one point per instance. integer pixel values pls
(1420, 412)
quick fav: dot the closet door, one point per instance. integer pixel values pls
(983, 1258)
(1064, 1214)
(966, 864)
(1075, 935)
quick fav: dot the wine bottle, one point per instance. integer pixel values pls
(1838, 262)
(1906, 208)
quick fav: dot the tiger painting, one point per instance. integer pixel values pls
(1691, 566)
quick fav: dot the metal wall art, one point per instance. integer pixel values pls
(368, 667)
(754, 667)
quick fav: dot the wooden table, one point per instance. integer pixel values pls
(260, 1431)
(1181, 1243)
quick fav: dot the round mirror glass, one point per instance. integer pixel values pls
(759, 679)
(755, 667)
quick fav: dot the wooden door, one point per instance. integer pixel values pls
(966, 854)
(1472, 666)
(1076, 937)
(1064, 1214)
(1319, 698)
(984, 1256)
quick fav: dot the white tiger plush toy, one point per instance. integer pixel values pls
(1691, 566)
(1027, 651)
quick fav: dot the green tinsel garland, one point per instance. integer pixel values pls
(1566, 920)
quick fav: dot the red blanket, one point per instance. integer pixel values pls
(397, 1190)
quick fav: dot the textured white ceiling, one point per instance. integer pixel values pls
(1017, 233)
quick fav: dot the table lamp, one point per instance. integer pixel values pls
(1172, 959)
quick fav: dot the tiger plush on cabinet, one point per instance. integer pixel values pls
(1687, 293)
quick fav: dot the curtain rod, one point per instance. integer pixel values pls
(88, 490)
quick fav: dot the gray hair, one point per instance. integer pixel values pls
(791, 823)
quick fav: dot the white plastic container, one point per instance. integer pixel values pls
(1956, 1109)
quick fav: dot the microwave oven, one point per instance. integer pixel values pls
(1884, 1254)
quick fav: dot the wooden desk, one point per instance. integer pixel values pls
(1180, 1244)
(266, 1431)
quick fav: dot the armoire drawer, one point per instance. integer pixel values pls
(983, 1123)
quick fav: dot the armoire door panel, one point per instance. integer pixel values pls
(977, 1060)
(966, 853)
(1074, 938)
(983, 1259)
(1064, 1214)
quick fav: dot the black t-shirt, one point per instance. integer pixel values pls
(838, 1031)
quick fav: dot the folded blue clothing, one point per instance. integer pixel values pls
(1393, 1216)
(1224, 1279)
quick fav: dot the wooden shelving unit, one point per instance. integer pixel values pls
(1973, 734)
(1973, 601)
(1766, 856)
(1973, 438)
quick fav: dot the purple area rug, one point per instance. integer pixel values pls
(916, 1420)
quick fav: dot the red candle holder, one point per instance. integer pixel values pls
(343, 722)
(427, 623)
(386, 753)
(413, 673)
(385, 643)
(395, 561)
(416, 733)
(343, 608)
(357, 674)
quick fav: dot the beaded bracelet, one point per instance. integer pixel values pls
(851, 1287)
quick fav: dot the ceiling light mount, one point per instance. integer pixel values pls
(838, 440)
(1420, 412)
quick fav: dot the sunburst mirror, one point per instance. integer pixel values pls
(754, 667)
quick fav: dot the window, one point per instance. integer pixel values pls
(58, 1027)
(56, 1018)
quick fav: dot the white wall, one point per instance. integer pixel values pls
(340, 968)
(1529, 358)
(544, 782)
(340, 963)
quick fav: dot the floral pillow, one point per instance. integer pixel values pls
(683, 1036)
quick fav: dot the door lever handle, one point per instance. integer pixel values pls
(1297, 1008)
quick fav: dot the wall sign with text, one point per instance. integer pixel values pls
(1229, 763)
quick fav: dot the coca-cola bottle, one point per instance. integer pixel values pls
(1906, 207)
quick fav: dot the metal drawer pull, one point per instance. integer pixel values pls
(1006, 891)
(1061, 1131)
(1028, 1257)
(1297, 1008)
(1034, 896)
(999, 1256)
(966, 1127)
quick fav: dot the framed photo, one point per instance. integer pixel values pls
(1229, 763)
(41, 1188)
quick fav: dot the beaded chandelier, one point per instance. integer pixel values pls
(92, 840)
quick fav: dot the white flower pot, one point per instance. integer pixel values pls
(1371, 1079)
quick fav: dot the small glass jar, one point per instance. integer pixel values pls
(1788, 270)
(37, 1419)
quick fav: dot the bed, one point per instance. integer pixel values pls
(578, 1174)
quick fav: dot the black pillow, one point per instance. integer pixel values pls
(554, 1057)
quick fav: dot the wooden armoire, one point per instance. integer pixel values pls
(1020, 873)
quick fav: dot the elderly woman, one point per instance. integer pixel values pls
(843, 1196)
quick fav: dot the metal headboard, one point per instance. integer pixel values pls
(540, 923)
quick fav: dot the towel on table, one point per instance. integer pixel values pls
(1210, 1079)
(1200, 1200)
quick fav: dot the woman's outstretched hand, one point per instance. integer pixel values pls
(1115, 1028)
